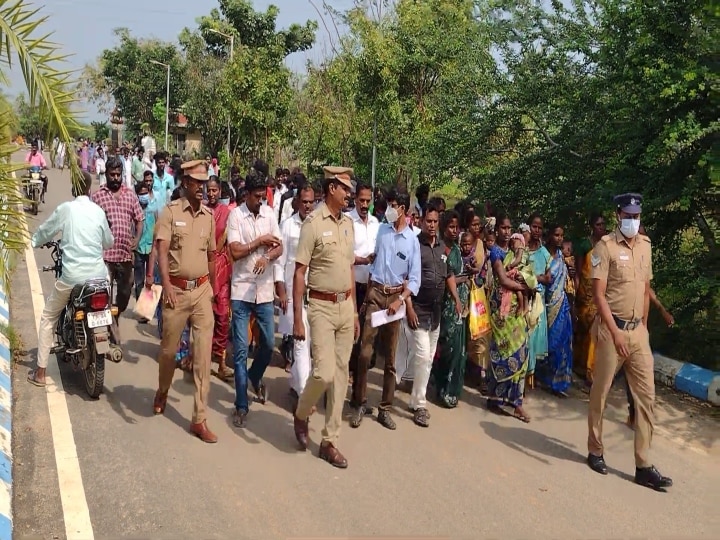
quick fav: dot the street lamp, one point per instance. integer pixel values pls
(232, 47)
(167, 100)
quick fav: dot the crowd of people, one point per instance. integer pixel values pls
(355, 274)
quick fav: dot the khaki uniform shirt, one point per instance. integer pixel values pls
(191, 236)
(326, 247)
(626, 270)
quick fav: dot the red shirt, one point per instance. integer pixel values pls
(122, 210)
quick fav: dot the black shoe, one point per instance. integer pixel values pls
(386, 420)
(597, 464)
(651, 477)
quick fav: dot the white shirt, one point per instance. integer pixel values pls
(280, 190)
(365, 238)
(244, 227)
(287, 210)
(99, 166)
(284, 268)
(85, 234)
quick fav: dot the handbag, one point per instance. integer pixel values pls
(479, 319)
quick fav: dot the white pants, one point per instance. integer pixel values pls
(421, 346)
(302, 366)
(54, 305)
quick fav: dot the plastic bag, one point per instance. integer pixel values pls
(479, 316)
(147, 303)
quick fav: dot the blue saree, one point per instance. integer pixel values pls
(556, 371)
(539, 260)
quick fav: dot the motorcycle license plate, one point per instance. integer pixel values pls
(96, 319)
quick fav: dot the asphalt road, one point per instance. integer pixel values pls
(470, 475)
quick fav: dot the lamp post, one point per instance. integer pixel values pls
(232, 47)
(167, 100)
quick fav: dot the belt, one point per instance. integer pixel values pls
(188, 284)
(627, 325)
(334, 297)
(386, 289)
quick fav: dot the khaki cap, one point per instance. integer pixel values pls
(341, 174)
(196, 169)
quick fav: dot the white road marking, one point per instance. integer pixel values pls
(72, 492)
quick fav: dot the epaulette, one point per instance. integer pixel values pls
(646, 238)
(173, 203)
(607, 238)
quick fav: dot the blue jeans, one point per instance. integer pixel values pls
(264, 315)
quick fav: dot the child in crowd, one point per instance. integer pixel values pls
(516, 264)
(467, 248)
(524, 229)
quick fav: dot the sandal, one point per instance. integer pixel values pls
(159, 403)
(225, 374)
(32, 379)
(520, 414)
(421, 417)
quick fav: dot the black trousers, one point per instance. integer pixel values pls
(121, 275)
(361, 292)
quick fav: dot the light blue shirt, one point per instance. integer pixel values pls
(162, 189)
(85, 234)
(397, 258)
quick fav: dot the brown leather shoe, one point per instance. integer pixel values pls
(202, 432)
(333, 456)
(159, 402)
(302, 432)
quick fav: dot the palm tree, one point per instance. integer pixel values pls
(23, 43)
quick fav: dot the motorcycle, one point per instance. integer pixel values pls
(83, 329)
(33, 186)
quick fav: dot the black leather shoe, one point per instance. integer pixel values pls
(651, 477)
(597, 464)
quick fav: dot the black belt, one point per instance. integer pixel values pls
(627, 325)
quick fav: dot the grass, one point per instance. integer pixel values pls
(16, 343)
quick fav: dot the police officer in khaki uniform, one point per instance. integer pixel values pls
(621, 272)
(185, 236)
(325, 250)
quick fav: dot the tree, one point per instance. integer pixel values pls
(101, 129)
(46, 80)
(254, 87)
(137, 84)
(596, 98)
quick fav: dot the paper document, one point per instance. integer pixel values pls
(148, 301)
(381, 317)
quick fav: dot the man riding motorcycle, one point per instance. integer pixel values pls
(34, 158)
(85, 234)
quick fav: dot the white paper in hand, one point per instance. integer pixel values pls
(381, 317)
(147, 303)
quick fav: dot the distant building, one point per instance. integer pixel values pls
(187, 140)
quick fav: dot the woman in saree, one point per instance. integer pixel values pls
(539, 260)
(218, 195)
(556, 371)
(479, 348)
(509, 346)
(449, 371)
(584, 350)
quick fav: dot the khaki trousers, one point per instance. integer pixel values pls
(332, 326)
(639, 372)
(194, 306)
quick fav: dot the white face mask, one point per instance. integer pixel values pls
(629, 227)
(392, 215)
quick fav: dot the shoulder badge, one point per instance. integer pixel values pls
(594, 259)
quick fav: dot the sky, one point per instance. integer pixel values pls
(84, 28)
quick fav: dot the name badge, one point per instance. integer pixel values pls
(624, 258)
(327, 233)
(401, 255)
(180, 224)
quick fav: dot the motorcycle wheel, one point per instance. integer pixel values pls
(94, 375)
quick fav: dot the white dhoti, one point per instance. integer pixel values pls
(302, 366)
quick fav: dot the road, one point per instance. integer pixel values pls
(109, 468)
